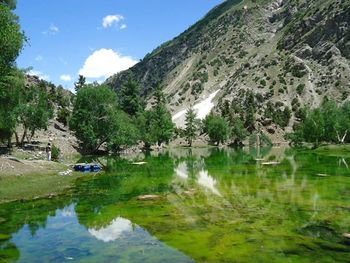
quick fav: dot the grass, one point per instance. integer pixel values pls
(34, 185)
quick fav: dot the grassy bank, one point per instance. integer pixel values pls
(25, 180)
(342, 150)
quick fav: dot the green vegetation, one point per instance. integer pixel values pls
(33, 111)
(329, 123)
(129, 97)
(217, 129)
(192, 125)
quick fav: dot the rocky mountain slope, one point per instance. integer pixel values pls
(280, 55)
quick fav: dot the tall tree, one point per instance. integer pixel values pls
(217, 129)
(191, 125)
(11, 80)
(80, 83)
(162, 125)
(33, 111)
(93, 117)
(130, 100)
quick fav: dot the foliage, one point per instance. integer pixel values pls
(217, 129)
(63, 116)
(125, 132)
(162, 127)
(130, 100)
(34, 111)
(10, 89)
(11, 38)
(328, 123)
(192, 125)
(93, 116)
(80, 83)
(55, 153)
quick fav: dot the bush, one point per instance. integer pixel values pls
(55, 153)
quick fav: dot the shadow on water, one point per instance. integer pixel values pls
(207, 205)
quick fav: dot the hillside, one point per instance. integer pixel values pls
(268, 56)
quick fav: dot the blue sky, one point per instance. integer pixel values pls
(99, 37)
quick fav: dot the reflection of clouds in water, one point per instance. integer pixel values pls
(181, 170)
(113, 231)
(208, 182)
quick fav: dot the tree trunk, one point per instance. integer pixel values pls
(23, 137)
(17, 139)
(9, 145)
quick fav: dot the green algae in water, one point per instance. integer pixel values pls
(215, 206)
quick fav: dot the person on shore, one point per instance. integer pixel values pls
(48, 151)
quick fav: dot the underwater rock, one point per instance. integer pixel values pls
(148, 197)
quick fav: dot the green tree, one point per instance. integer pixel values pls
(218, 129)
(125, 132)
(130, 100)
(161, 123)
(80, 83)
(191, 125)
(313, 127)
(93, 118)
(11, 80)
(11, 39)
(144, 122)
(33, 111)
(238, 132)
(10, 90)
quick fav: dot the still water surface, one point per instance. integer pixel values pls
(212, 205)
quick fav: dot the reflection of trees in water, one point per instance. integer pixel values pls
(124, 181)
(16, 215)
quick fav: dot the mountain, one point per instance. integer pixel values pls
(274, 56)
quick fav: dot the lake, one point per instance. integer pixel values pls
(207, 205)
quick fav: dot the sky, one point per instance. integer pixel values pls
(98, 38)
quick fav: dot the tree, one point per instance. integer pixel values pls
(11, 38)
(218, 130)
(313, 127)
(125, 132)
(80, 83)
(10, 90)
(192, 124)
(130, 100)
(93, 118)
(144, 122)
(9, 3)
(33, 111)
(238, 132)
(11, 79)
(161, 123)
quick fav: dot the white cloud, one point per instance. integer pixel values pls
(39, 58)
(111, 20)
(123, 26)
(66, 77)
(104, 63)
(53, 30)
(39, 74)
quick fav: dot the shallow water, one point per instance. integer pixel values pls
(272, 205)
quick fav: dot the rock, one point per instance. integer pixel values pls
(305, 52)
(271, 130)
(266, 122)
(346, 235)
(148, 197)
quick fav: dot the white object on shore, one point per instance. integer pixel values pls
(270, 163)
(65, 173)
(139, 163)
